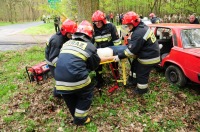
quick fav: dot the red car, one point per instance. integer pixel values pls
(180, 51)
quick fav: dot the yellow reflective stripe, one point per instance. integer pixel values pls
(102, 39)
(53, 63)
(117, 43)
(55, 60)
(77, 50)
(48, 62)
(150, 34)
(104, 36)
(147, 34)
(134, 75)
(73, 87)
(81, 114)
(149, 61)
(63, 83)
(75, 53)
(127, 54)
(142, 86)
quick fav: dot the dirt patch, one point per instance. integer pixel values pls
(20, 41)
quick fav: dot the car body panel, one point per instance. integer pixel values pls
(187, 59)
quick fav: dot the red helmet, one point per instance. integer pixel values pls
(86, 28)
(152, 15)
(131, 18)
(99, 16)
(68, 26)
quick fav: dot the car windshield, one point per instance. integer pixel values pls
(191, 38)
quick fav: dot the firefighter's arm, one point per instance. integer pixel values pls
(93, 62)
(115, 36)
(53, 53)
(135, 43)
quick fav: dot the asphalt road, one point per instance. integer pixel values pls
(16, 28)
(11, 39)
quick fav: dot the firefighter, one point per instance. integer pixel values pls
(56, 42)
(143, 47)
(77, 57)
(153, 18)
(105, 35)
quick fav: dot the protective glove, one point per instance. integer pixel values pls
(116, 58)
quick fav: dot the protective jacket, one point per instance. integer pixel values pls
(76, 59)
(155, 20)
(142, 43)
(106, 36)
(52, 49)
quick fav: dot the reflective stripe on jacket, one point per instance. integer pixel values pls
(143, 44)
(53, 47)
(106, 36)
(75, 61)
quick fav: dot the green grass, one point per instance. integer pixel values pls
(44, 29)
(5, 23)
(11, 80)
(31, 107)
(10, 23)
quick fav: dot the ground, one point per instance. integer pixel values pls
(12, 37)
(31, 107)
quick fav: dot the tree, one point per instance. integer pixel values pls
(86, 9)
(27, 10)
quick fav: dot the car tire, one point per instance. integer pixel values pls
(175, 76)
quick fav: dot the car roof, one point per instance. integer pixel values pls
(175, 25)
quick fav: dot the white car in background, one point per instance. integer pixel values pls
(123, 30)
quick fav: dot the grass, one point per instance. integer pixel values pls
(31, 107)
(47, 29)
(5, 23)
(10, 23)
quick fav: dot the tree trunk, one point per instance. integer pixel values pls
(86, 8)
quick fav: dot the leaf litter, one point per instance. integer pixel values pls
(109, 113)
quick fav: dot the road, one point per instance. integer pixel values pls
(11, 39)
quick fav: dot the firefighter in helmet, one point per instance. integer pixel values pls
(77, 57)
(153, 18)
(105, 35)
(56, 42)
(143, 47)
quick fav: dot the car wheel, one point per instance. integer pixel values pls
(175, 76)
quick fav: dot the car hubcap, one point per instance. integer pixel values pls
(173, 77)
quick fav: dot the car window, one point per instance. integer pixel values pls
(164, 33)
(191, 38)
(124, 30)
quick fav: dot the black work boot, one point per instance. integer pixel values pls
(55, 94)
(100, 83)
(138, 91)
(131, 81)
(99, 80)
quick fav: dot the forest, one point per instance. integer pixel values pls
(32, 10)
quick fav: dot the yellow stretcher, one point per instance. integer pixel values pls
(108, 60)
